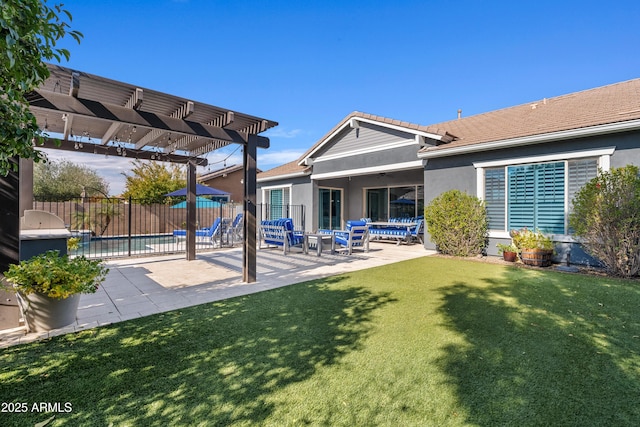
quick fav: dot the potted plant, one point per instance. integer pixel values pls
(535, 248)
(49, 286)
(509, 251)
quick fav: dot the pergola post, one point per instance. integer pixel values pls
(9, 219)
(191, 211)
(249, 218)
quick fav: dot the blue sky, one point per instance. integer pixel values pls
(309, 64)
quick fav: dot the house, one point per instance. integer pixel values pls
(526, 162)
(229, 179)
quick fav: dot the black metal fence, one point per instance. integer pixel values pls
(268, 211)
(116, 227)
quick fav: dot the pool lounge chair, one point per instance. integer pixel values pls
(236, 229)
(205, 235)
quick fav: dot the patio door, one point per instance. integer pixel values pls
(330, 209)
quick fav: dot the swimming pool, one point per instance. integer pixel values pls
(122, 246)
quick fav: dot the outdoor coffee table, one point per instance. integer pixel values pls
(318, 240)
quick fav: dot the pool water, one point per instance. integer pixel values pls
(124, 246)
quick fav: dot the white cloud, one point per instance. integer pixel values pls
(282, 133)
(269, 159)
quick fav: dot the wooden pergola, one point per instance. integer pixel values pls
(97, 115)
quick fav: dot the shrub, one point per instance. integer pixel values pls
(528, 239)
(55, 276)
(457, 223)
(606, 216)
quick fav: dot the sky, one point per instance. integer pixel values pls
(309, 64)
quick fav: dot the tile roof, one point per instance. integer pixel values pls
(286, 169)
(219, 172)
(614, 103)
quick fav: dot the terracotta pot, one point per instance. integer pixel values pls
(509, 256)
(43, 313)
(537, 257)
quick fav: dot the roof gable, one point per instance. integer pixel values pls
(356, 120)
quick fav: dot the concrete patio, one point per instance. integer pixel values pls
(138, 287)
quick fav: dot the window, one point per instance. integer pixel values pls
(277, 202)
(534, 195)
(394, 202)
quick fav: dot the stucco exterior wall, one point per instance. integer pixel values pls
(458, 172)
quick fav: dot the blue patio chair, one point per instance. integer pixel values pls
(236, 229)
(280, 232)
(356, 235)
(207, 235)
(418, 231)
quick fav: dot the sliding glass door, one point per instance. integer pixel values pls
(330, 209)
(385, 203)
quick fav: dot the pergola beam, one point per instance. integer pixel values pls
(52, 101)
(184, 111)
(68, 145)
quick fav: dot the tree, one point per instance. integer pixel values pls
(606, 217)
(29, 32)
(151, 181)
(65, 180)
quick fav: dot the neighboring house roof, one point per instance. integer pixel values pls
(220, 172)
(606, 109)
(288, 170)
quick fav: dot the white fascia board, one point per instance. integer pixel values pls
(353, 123)
(400, 128)
(285, 176)
(533, 139)
(566, 155)
(417, 164)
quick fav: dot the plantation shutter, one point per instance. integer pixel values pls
(536, 197)
(279, 203)
(580, 172)
(521, 192)
(549, 206)
(494, 195)
(275, 200)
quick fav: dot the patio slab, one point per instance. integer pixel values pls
(137, 287)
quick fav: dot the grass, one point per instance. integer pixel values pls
(431, 341)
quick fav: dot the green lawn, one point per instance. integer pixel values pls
(431, 341)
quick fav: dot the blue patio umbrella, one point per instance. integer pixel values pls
(403, 201)
(201, 202)
(201, 190)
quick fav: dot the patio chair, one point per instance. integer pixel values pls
(418, 231)
(356, 235)
(236, 229)
(205, 235)
(280, 232)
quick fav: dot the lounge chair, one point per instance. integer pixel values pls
(236, 229)
(205, 235)
(356, 235)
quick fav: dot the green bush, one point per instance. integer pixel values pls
(606, 217)
(55, 276)
(528, 239)
(457, 223)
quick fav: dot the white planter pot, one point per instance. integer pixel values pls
(44, 314)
